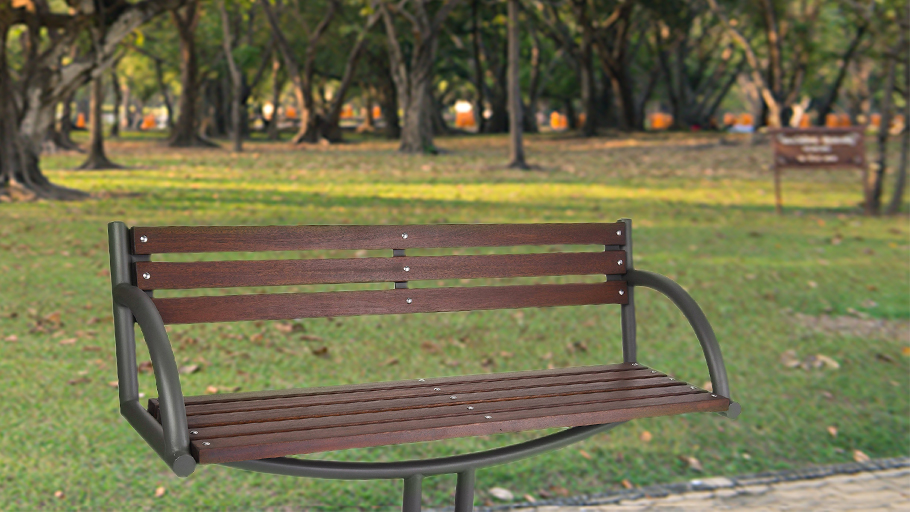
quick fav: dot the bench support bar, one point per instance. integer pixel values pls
(413, 492)
(464, 491)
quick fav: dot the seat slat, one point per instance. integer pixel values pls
(228, 308)
(247, 422)
(183, 239)
(397, 431)
(223, 274)
(416, 390)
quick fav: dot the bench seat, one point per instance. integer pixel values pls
(256, 425)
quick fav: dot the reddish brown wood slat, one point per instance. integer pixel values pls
(299, 238)
(223, 274)
(233, 449)
(281, 306)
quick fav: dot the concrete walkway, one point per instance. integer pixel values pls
(875, 490)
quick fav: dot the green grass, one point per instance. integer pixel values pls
(703, 214)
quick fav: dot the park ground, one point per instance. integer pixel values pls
(811, 309)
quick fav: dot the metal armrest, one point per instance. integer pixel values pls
(700, 325)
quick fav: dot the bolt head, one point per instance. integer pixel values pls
(453, 397)
(409, 300)
(421, 380)
(619, 233)
(407, 269)
(404, 235)
(206, 443)
(436, 389)
(619, 262)
(143, 239)
(146, 275)
(715, 396)
(470, 408)
(653, 371)
(622, 292)
(194, 432)
(634, 364)
(488, 417)
(692, 387)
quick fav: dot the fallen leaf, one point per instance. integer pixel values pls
(626, 483)
(789, 359)
(58, 494)
(502, 494)
(69, 341)
(310, 337)
(114, 384)
(530, 499)
(585, 454)
(188, 369)
(256, 337)
(646, 436)
(53, 318)
(80, 380)
(284, 327)
(559, 491)
(885, 358)
(827, 361)
(145, 367)
(430, 347)
(322, 351)
(747, 456)
(859, 456)
(580, 346)
(832, 430)
(905, 351)
(869, 304)
(547, 356)
(543, 493)
(693, 463)
(487, 362)
(159, 492)
(837, 240)
(390, 361)
(211, 390)
(812, 284)
(505, 354)
(12, 338)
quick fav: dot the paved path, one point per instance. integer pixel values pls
(874, 491)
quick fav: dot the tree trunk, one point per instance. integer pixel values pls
(479, 107)
(236, 80)
(277, 83)
(63, 136)
(874, 201)
(516, 145)
(828, 103)
(586, 69)
(900, 184)
(185, 134)
(97, 159)
(118, 102)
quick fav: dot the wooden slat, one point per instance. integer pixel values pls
(469, 423)
(180, 239)
(229, 308)
(223, 274)
(207, 414)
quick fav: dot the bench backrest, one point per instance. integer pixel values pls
(398, 269)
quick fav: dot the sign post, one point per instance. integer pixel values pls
(818, 148)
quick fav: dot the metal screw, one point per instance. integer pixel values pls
(715, 396)
(621, 292)
(436, 389)
(634, 364)
(421, 380)
(619, 262)
(143, 239)
(194, 432)
(653, 371)
(409, 300)
(407, 269)
(488, 417)
(146, 275)
(470, 408)
(619, 232)
(404, 235)
(453, 397)
(206, 443)
(693, 387)
(671, 378)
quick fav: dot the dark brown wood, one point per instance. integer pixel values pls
(299, 238)
(223, 274)
(826, 148)
(230, 308)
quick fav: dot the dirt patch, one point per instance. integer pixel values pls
(869, 328)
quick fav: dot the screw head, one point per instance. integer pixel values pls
(653, 371)
(470, 407)
(715, 396)
(619, 262)
(671, 378)
(634, 364)
(488, 417)
(146, 275)
(407, 269)
(453, 397)
(206, 443)
(143, 239)
(622, 292)
(404, 235)
(436, 389)
(692, 387)
(194, 432)
(619, 233)
(421, 380)
(409, 300)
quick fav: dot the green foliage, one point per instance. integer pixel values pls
(703, 214)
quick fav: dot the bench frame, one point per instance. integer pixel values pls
(170, 438)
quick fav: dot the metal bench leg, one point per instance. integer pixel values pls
(464, 491)
(412, 494)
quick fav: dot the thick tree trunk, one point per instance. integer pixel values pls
(828, 103)
(585, 60)
(479, 106)
(118, 102)
(332, 129)
(97, 159)
(874, 201)
(516, 144)
(185, 132)
(236, 80)
(63, 136)
(897, 198)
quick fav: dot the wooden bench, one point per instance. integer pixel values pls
(257, 431)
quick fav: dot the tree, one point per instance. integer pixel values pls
(36, 78)
(236, 80)
(412, 80)
(97, 158)
(185, 134)
(516, 148)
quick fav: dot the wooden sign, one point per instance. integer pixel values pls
(817, 148)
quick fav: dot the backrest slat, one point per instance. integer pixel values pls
(222, 274)
(231, 308)
(158, 240)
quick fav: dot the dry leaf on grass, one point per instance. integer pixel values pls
(832, 430)
(58, 494)
(626, 483)
(859, 456)
(190, 368)
(69, 341)
(789, 359)
(391, 361)
(80, 380)
(502, 494)
(559, 491)
(114, 384)
(12, 338)
(320, 351)
(211, 390)
(310, 337)
(91, 348)
(585, 454)
(146, 367)
(646, 436)
(693, 463)
(530, 499)
(159, 492)
(827, 361)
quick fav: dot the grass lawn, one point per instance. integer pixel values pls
(821, 279)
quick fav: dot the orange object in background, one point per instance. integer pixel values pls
(148, 123)
(558, 121)
(745, 120)
(290, 113)
(464, 120)
(660, 121)
(843, 120)
(805, 122)
(831, 121)
(80, 121)
(347, 112)
(729, 119)
(875, 120)
(377, 112)
(582, 118)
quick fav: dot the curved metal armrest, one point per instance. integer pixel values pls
(700, 325)
(171, 438)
